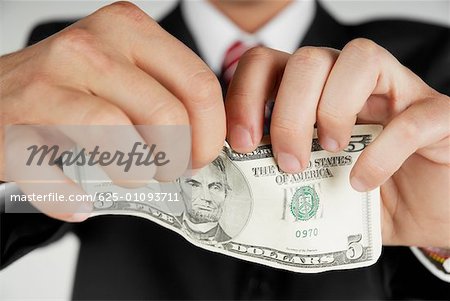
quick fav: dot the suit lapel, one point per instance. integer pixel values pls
(325, 31)
(175, 25)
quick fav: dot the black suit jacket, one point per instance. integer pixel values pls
(123, 257)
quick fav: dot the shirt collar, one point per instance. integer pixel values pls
(214, 32)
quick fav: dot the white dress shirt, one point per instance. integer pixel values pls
(214, 32)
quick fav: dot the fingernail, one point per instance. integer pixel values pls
(240, 137)
(358, 184)
(330, 144)
(288, 163)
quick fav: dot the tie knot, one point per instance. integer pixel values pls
(231, 59)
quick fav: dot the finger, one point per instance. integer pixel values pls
(191, 81)
(182, 72)
(49, 190)
(294, 113)
(89, 125)
(362, 69)
(163, 120)
(73, 204)
(254, 82)
(144, 43)
(2, 153)
(418, 126)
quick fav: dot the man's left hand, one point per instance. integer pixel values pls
(334, 89)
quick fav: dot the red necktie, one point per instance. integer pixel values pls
(229, 66)
(231, 59)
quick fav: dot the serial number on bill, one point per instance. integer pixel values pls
(307, 233)
(137, 197)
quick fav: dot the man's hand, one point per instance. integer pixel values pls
(334, 89)
(114, 67)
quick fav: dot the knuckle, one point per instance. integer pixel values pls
(100, 61)
(72, 40)
(376, 169)
(307, 56)
(168, 113)
(409, 127)
(363, 44)
(206, 90)
(239, 94)
(285, 127)
(126, 11)
(39, 84)
(328, 113)
(364, 48)
(102, 114)
(80, 43)
(258, 53)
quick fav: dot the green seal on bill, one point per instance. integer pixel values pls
(304, 203)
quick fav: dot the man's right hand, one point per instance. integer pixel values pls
(114, 67)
